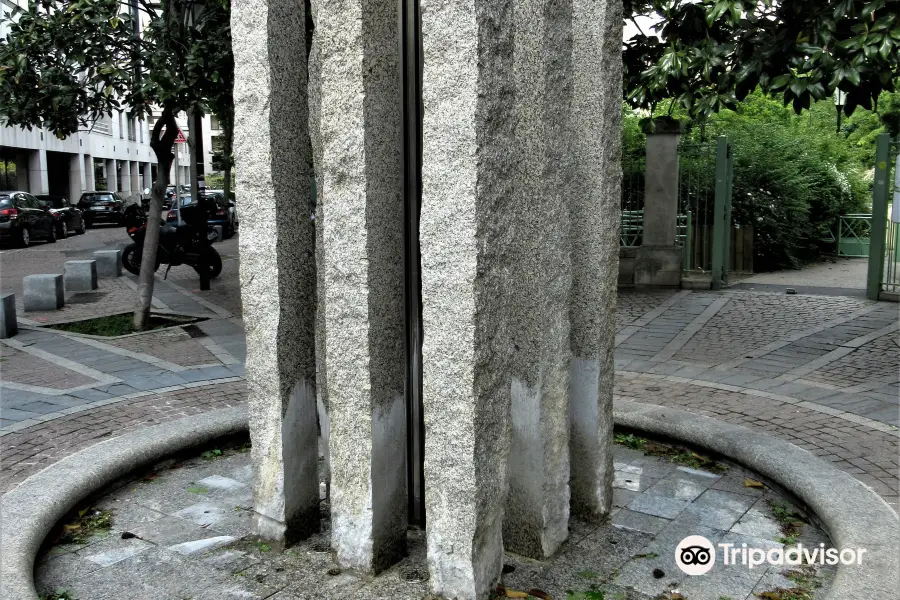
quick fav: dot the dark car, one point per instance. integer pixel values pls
(67, 216)
(24, 218)
(102, 207)
(219, 212)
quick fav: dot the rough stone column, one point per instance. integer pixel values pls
(136, 178)
(37, 172)
(537, 508)
(467, 177)
(277, 266)
(594, 196)
(358, 140)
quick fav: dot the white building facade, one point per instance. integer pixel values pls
(114, 154)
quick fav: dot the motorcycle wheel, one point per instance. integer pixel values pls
(213, 262)
(131, 259)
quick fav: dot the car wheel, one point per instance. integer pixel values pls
(51, 235)
(24, 237)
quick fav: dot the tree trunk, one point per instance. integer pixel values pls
(192, 153)
(161, 143)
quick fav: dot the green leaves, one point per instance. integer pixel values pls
(711, 51)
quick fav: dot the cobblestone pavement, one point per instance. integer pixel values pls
(819, 370)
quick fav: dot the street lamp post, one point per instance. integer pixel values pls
(839, 98)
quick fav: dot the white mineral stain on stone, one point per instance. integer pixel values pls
(111, 557)
(221, 483)
(207, 544)
(203, 513)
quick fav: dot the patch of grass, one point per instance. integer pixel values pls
(676, 454)
(263, 547)
(87, 523)
(592, 594)
(121, 324)
(211, 454)
(588, 574)
(59, 594)
(630, 440)
(806, 583)
(196, 489)
(789, 519)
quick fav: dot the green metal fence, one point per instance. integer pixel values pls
(883, 280)
(853, 235)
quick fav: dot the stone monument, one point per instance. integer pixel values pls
(519, 176)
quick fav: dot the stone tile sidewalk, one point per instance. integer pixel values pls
(820, 371)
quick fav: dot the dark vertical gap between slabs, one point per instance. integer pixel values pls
(411, 25)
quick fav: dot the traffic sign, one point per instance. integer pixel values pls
(180, 139)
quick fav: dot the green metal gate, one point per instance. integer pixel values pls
(706, 175)
(883, 281)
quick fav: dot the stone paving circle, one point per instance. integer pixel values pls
(185, 532)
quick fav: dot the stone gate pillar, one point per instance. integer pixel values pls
(658, 261)
(594, 197)
(358, 133)
(277, 267)
(467, 177)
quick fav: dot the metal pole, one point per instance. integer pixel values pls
(718, 233)
(879, 216)
(412, 150)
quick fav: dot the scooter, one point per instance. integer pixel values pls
(182, 245)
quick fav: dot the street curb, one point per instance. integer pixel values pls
(30, 511)
(853, 515)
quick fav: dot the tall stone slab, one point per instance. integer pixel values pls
(358, 132)
(467, 175)
(594, 196)
(537, 508)
(277, 267)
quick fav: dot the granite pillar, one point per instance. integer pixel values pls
(658, 261)
(359, 129)
(89, 184)
(277, 263)
(537, 508)
(467, 175)
(593, 199)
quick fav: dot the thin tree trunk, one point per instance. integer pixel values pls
(161, 143)
(192, 153)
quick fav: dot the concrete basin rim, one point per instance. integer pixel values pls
(42, 500)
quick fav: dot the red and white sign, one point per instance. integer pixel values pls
(180, 139)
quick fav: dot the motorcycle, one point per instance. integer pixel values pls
(182, 245)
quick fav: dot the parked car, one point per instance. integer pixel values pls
(102, 207)
(67, 217)
(231, 206)
(24, 218)
(220, 213)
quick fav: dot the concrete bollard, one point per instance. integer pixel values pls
(109, 263)
(80, 275)
(43, 292)
(8, 324)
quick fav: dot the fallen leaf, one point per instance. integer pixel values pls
(539, 594)
(515, 594)
(647, 555)
(752, 483)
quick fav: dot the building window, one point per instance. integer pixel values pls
(130, 122)
(121, 128)
(214, 124)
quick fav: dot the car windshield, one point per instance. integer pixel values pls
(186, 200)
(98, 198)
